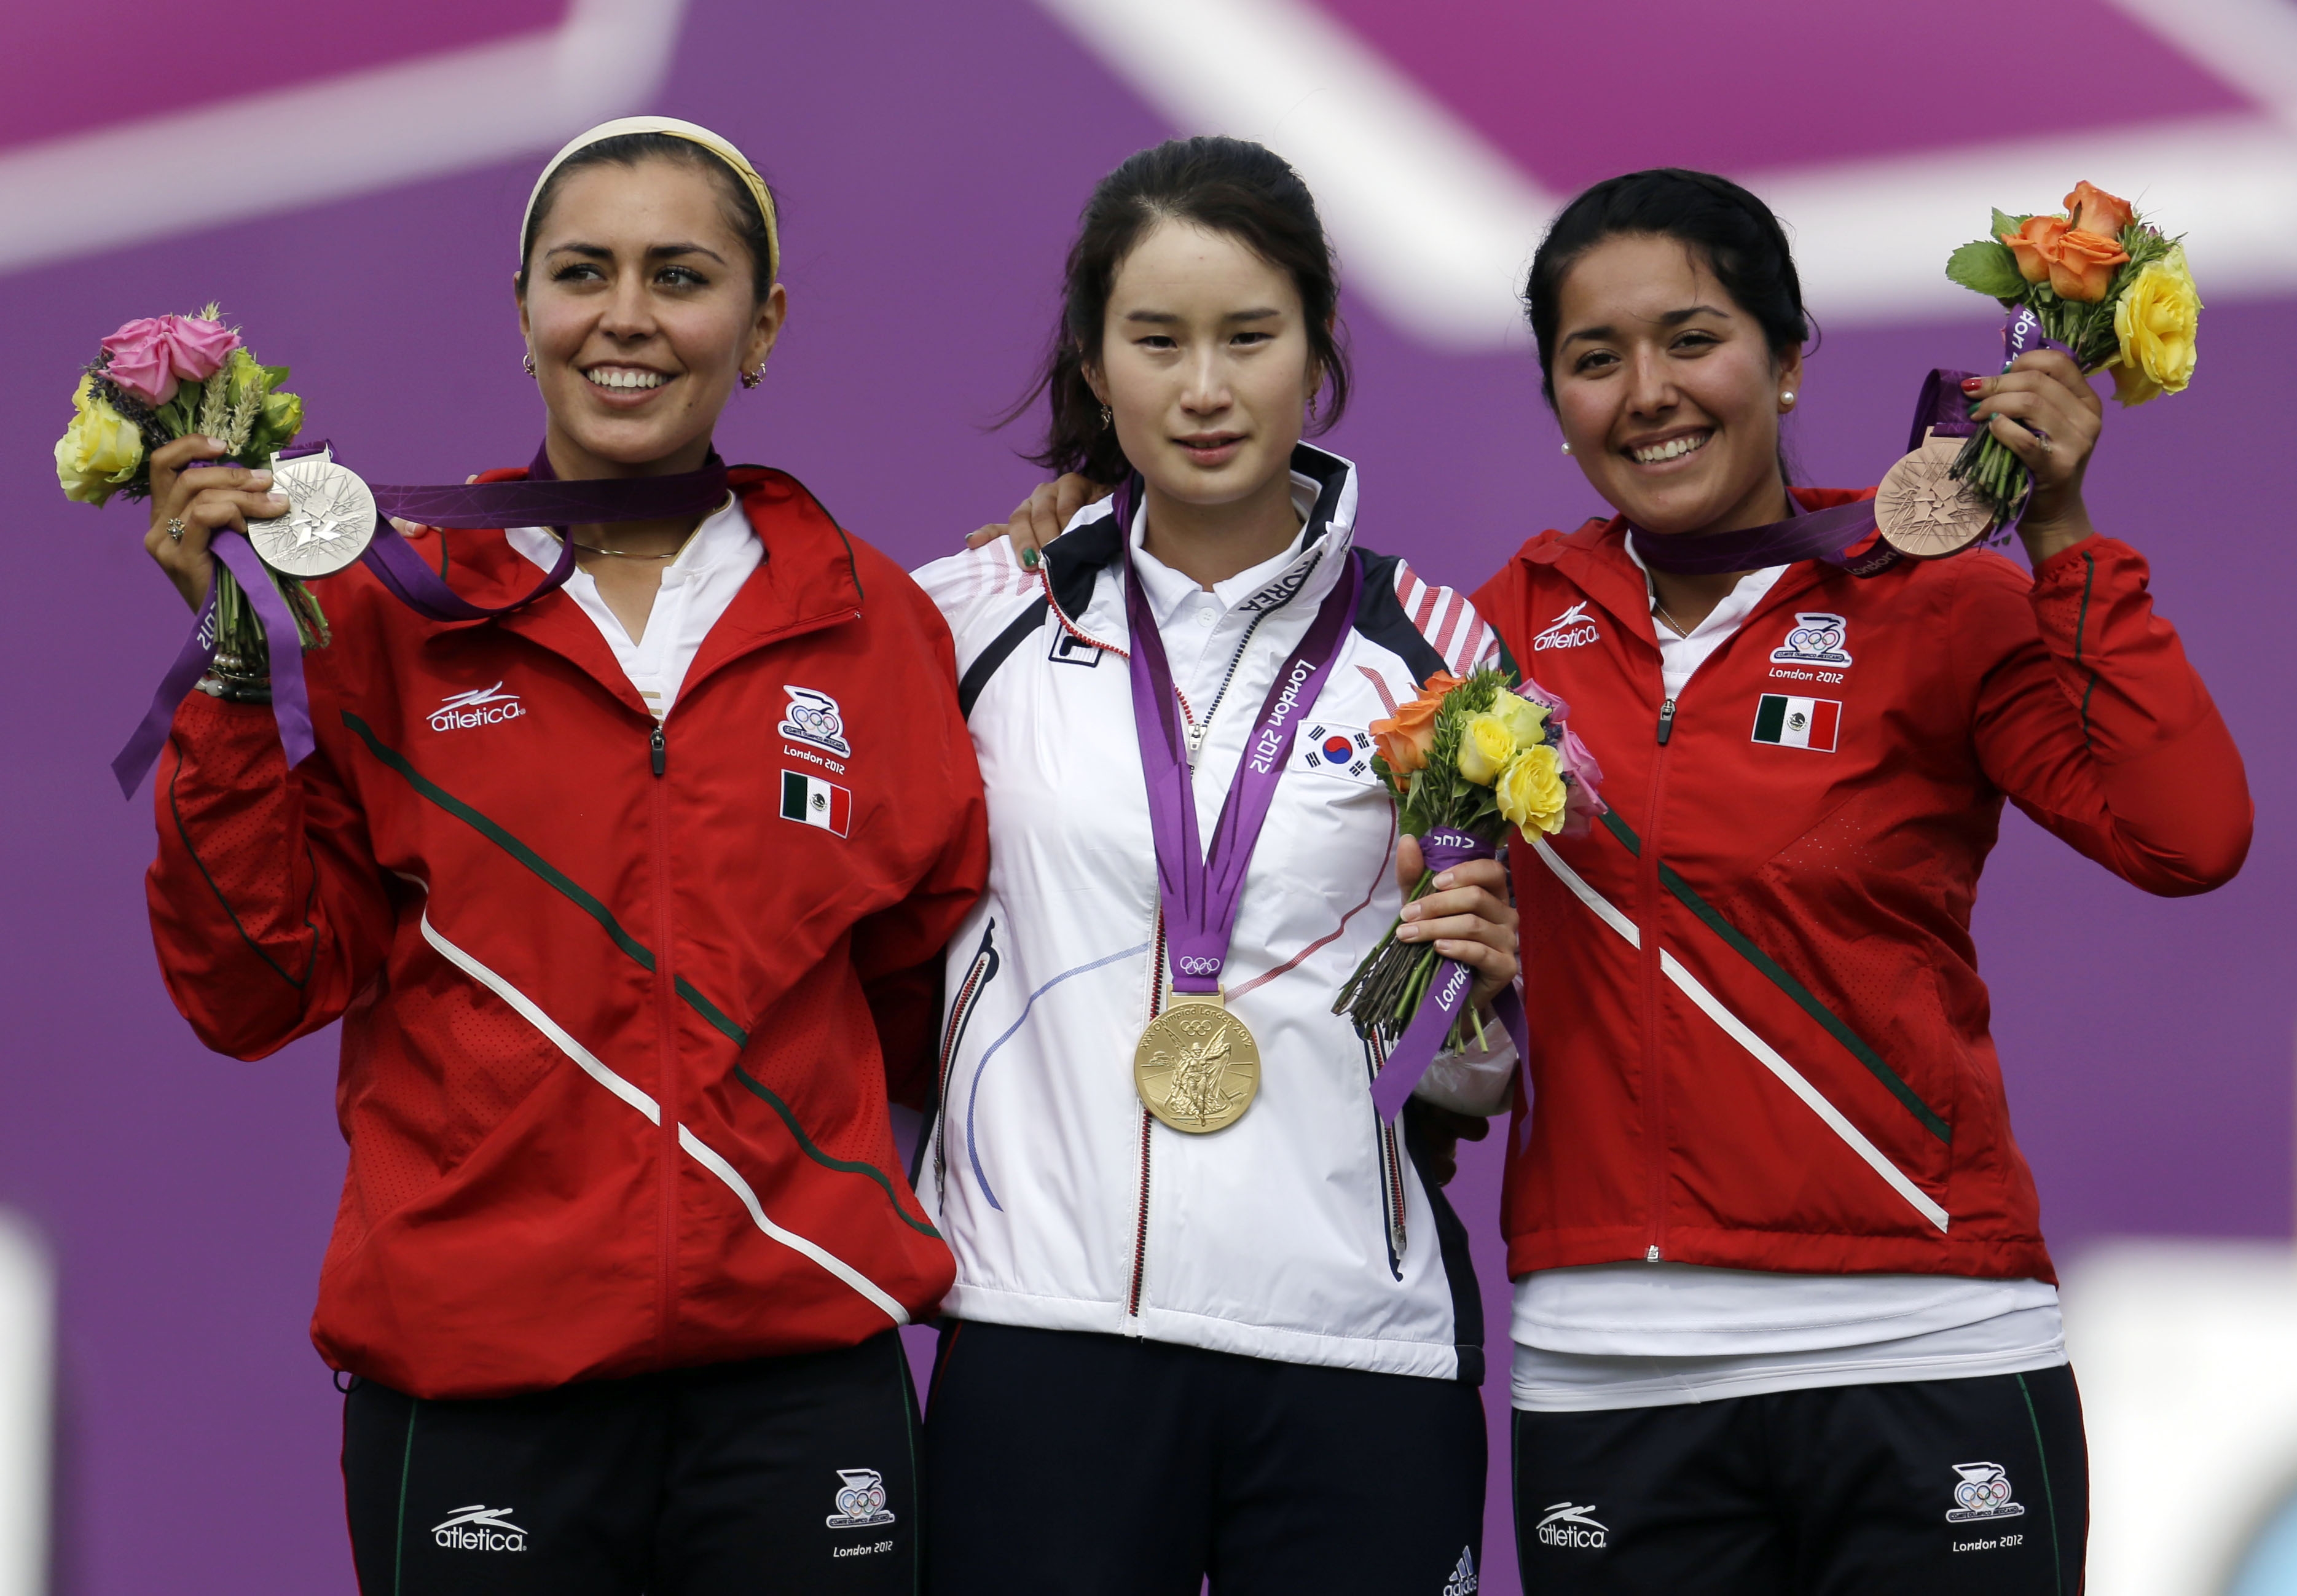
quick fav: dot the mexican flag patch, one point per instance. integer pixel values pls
(813, 802)
(1798, 722)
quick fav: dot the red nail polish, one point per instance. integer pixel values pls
(1972, 384)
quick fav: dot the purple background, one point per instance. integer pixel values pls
(931, 159)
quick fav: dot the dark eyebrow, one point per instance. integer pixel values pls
(660, 251)
(1673, 319)
(1165, 318)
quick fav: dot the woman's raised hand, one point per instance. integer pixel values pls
(2044, 411)
(1465, 914)
(1038, 519)
(198, 501)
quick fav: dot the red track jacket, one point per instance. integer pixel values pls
(610, 1075)
(1760, 1038)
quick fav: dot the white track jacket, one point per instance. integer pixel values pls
(1303, 1232)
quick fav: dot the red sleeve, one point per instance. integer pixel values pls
(267, 909)
(897, 951)
(2091, 720)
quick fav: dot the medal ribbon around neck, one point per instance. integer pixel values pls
(1202, 893)
(542, 499)
(1838, 536)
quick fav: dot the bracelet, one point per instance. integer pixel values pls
(234, 689)
(230, 667)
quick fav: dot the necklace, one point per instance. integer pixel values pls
(623, 554)
(1659, 609)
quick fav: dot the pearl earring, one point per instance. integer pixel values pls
(1787, 398)
(1567, 448)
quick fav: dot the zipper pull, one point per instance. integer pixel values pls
(1665, 723)
(662, 753)
(1650, 1253)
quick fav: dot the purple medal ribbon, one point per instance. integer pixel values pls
(1201, 894)
(1831, 534)
(1446, 998)
(542, 499)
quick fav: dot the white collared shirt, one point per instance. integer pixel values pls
(1681, 654)
(1189, 616)
(696, 588)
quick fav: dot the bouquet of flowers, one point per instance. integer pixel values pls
(1472, 758)
(2099, 280)
(164, 377)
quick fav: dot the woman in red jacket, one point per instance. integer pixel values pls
(1785, 1319)
(631, 901)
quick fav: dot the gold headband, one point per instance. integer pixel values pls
(692, 134)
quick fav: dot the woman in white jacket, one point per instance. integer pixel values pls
(1209, 1317)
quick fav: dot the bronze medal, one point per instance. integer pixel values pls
(1196, 1069)
(1924, 511)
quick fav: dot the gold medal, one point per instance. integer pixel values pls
(1924, 511)
(1196, 1069)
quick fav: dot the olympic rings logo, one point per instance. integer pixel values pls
(1198, 964)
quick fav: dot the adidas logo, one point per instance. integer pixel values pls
(1462, 1582)
(479, 1529)
(485, 707)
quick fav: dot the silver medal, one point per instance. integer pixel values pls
(329, 522)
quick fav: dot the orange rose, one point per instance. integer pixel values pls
(2085, 265)
(2077, 265)
(2092, 209)
(1405, 740)
(2036, 245)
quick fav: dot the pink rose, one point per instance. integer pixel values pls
(153, 353)
(1583, 801)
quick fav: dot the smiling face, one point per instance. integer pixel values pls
(1205, 362)
(1668, 391)
(641, 312)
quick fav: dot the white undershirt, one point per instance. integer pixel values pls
(696, 588)
(1647, 1335)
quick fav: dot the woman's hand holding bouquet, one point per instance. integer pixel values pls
(1464, 761)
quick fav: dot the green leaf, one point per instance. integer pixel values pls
(2005, 223)
(1987, 268)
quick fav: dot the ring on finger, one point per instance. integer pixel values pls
(175, 529)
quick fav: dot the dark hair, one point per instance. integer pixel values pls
(1223, 185)
(629, 149)
(1730, 229)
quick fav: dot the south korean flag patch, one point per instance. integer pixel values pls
(1327, 748)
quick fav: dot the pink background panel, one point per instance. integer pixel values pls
(127, 60)
(1575, 92)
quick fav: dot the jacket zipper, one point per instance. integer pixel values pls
(1148, 1122)
(1654, 1073)
(665, 988)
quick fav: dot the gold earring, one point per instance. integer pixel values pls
(528, 363)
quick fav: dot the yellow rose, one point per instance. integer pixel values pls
(1526, 722)
(1486, 746)
(2155, 320)
(1531, 792)
(99, 451)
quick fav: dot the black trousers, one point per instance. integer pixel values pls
(1975, 1487)
(778, 1475)
(1059, 1461)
